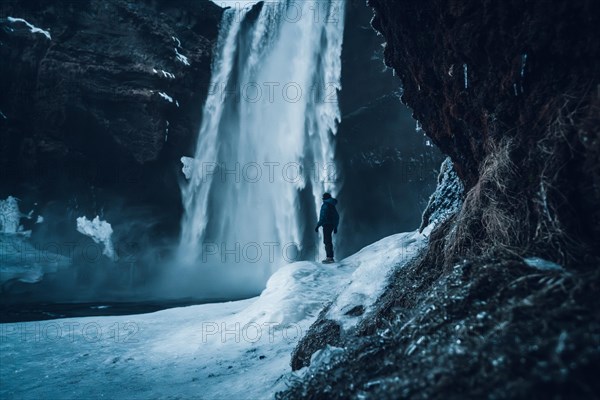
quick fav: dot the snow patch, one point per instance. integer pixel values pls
(32, 28)
(100, 232)
(237, 350)
(296, 292)
(10, 217)
(181, 58)
(419, 127)
(168, 98)
(374, 265)
(165, 96)
(3, 116)
(164, 73)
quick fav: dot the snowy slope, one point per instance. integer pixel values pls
(238, 350)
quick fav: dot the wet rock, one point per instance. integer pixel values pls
(323, 332)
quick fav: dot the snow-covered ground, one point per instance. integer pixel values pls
(234, 350)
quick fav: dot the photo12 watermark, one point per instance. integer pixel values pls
(70, 331)
(256, 172)
(252, 332)
(17, 252)
(250, 252)
(272, 92)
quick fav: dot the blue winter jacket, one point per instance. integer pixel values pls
(329, 214)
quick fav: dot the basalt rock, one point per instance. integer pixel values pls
(509, 90)
(106, 102)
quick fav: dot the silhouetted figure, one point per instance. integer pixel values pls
(329, 220)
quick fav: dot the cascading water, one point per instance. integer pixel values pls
(266, 136)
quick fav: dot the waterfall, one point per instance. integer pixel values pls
(266, 136)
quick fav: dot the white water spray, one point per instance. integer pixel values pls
(266, 136)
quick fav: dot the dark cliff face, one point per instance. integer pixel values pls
(95, 117)
(509, 90)
(84, 118)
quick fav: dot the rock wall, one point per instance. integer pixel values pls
(510, 91)
(99, 111)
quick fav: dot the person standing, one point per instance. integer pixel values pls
(329, 220)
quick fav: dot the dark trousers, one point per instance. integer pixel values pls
(328, 240)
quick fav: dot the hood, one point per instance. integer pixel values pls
(331, 201)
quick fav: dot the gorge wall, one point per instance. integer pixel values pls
(99, 101)
(97, 114)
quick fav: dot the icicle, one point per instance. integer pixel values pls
(523, 64)
(466, 74)
(10, 215)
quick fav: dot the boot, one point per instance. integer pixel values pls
(328, 260)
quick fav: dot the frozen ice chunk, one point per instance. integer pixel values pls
(447, 198)
(100, 232)
(9, 215)
(188, 166)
